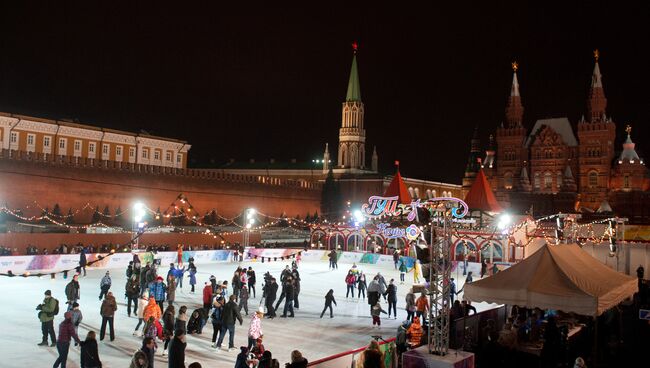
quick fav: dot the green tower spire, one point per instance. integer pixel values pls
(354, 88)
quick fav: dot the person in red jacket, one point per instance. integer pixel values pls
(207, 297)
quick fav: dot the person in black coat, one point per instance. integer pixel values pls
(329, 299)
(177, 350)
(230, 314)
(391, 293)
(289, 291)
(270, 292)
(82, 261)
(251, 280)
(89, 353)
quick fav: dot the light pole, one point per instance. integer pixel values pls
(250, 220)
(138, 225)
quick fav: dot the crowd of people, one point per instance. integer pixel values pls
(78, 248)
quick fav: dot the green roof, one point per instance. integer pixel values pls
(354, 88)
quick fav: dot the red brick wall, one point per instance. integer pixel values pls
(23, 182)
(49, 241)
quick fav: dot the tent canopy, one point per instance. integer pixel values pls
(562, 277)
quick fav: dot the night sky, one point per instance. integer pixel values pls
(269, 83)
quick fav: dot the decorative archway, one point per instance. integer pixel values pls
(318, 239)
(354, 242)
(335, 241)
(396, 243)
(374, 240)
(459, 251)
(492, 252)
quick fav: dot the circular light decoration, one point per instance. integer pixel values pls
(412, 232)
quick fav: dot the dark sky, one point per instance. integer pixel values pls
(261, 83)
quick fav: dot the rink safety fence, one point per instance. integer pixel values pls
(352, 358)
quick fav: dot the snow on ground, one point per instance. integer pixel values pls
(351, 327)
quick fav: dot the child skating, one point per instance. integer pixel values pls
(376, 312)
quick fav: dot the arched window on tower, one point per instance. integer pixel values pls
(559, 177)
(507, 180)
(626, 181)
(548, 180)
(537, 181)
(593, 179)
(429, 194)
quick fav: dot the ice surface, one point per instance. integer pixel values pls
(316, 338)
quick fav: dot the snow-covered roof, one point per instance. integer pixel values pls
(561, 126)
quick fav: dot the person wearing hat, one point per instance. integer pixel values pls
(216, 317)
(46, 316)
(400, 339)
(158, 289)
(66, 333)
(72, 291)
(255, 328)
(177, 350)
(77, 317)
(105, 285)
(107, 311)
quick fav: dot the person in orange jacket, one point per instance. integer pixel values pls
(421, 306)
(152, 310)
(415, 332)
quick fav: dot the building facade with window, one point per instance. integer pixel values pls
(55, 138)
(560, 167)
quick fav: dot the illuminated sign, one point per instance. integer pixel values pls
(378, 206)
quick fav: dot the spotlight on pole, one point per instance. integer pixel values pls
(138, 212)
(504, 221)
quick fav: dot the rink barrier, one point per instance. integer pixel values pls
(59, 262)
(348, 358)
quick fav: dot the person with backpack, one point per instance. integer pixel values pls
(48, 309)
(104, 285)
(66, 333)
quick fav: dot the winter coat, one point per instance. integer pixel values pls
(135, 360)
(171, 291)
(82, 258)
(157, 290)
(231, 313)
(415, 332)
(251, 277)
(350, 279)
(207, 294)
(271, 292)
(377, 310)
(255, 328)
(132, 289)
(194, 323)
(374, 286)
(422, 304)
(90, 354)
(77, 317)
(47, 310)
(177, 353)
(179, 272)
(72, 290)
(289, 291)
(391, 293)
(67, 332)
(192, 276)
(151, 310)
(243, 296)
(402, 268)
(142, 304)
(361, 283)
(181, 322)
(109, 306)
(373, 359)
(105, 282)
(329, 299)
(410, 302)
(168, 323)
(149, 353)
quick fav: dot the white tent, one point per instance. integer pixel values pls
(562, 277)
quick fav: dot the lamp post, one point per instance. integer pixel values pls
(250, 220)
(138, 225)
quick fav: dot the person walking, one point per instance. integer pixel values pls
(375, 313)
(230, 315)
(179, 274)
(416, 272)
(236, 285)
(396, 257)
(382, 284)
(107, 311)
(82, 261)
(422, 306)
(243, 298)
(77, 317)
(410, 305)
(350, 280)
(168, 326)
(89, 352)
(72, 291)
(402, 272)
(362, 285)
(171, 289)
(295, 276)
(255, 328)
(105, 285)
(142, 304)
(181, 320)
(132, 291)
(157, 290)
(66, 333)
(391, 293)
(48, 309)
(329, 299)
(192, 272)
(333, 259)
(251, 280)
(270, 292)
(177, 350)
(216, 316)
(288, 294)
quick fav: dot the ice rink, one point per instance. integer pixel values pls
(316, 338)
